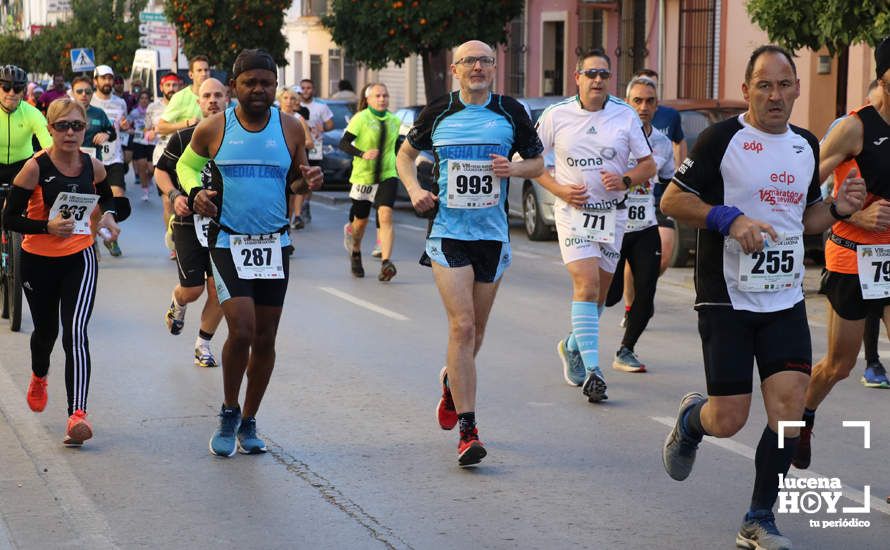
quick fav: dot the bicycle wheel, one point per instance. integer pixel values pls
(14, 280)
(4, 280)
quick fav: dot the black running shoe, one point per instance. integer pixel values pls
(355, 263)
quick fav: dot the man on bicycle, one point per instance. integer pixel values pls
(19, 121)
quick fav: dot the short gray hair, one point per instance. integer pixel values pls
(642, 81)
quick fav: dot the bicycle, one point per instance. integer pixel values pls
(10, 271)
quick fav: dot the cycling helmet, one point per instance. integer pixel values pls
(11, 73)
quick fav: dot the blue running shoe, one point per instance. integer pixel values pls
(572, 365)
(248, 442)
(678, 453)
(875, 376)
(223, 441)
(760, 532)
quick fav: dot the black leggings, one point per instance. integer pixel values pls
(642, 251)
(65, 285)
(872, 331)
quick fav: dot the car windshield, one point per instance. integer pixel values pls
(342, 113)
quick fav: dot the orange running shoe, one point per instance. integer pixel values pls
(37, 393)
(79, 430)
(445, 411)
(470, 450)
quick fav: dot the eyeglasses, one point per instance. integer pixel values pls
(593, 73)
(8, 86)
(65, 125)
(471, 60)
(83, 91)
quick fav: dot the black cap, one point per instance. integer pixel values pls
(882, 57)
(253, 59)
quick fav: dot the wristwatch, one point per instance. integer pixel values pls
(835, 214)
(626, 181)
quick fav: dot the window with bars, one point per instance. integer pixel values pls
(316, 8)
(514, 72)
(698, 49)
(590, 28)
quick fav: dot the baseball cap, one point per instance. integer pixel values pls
(103, 70)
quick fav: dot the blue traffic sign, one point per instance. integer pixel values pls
(82, 59)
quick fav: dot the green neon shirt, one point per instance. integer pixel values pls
(183, 106)
(365, 126)
(16, 129)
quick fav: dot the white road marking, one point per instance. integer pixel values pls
(365, 304)
(412, 227)
(62, 483)
(748, 452)
(5, 538)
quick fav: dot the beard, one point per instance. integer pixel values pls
(105, 89)
(168, 95)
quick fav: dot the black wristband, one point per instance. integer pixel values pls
(832, 209)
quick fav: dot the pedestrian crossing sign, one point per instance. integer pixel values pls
(82, 59)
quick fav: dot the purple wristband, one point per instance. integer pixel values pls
(720, 218)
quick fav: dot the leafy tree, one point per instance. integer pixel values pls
(814, 24)
(13, 50)
(107, 26)
(220, 29)
(377, 32)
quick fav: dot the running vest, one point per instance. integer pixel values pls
(51, 182)
(873, 163)
(253, 167)
(462, 137)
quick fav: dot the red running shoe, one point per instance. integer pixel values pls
(79, 430)
(445, 411)
(470, 450)
(37, 393)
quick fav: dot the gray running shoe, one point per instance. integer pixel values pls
(175, 317)
(377, 252)
(223, 441)
(595, 387)
(760, 532)
(572, 366)
(678, 453)
(626, 360)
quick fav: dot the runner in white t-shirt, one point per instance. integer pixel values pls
(641, 248)
(321, 119)
(593, 135)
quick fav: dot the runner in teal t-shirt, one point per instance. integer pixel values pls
(370, 138)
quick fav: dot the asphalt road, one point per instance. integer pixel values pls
(356, 457)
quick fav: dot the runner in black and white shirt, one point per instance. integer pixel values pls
(751, 186)
(641, 247)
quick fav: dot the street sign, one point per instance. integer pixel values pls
(82, 59)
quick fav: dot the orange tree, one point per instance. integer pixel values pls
(220, 29)
(104, 25)
(377, 32)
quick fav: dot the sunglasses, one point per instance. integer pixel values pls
(83, 91)
(593, 73)
(8, 86)
(65, 125)
(471, 60)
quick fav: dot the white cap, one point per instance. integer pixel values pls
(103, 70)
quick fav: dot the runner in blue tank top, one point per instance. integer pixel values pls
(261, 158)
(473, 134)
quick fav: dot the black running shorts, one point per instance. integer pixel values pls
(265, 292)
(115, 174)
(386, 193)
(489, 259)
(732, 339)
(192, 259)
(845, 296)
